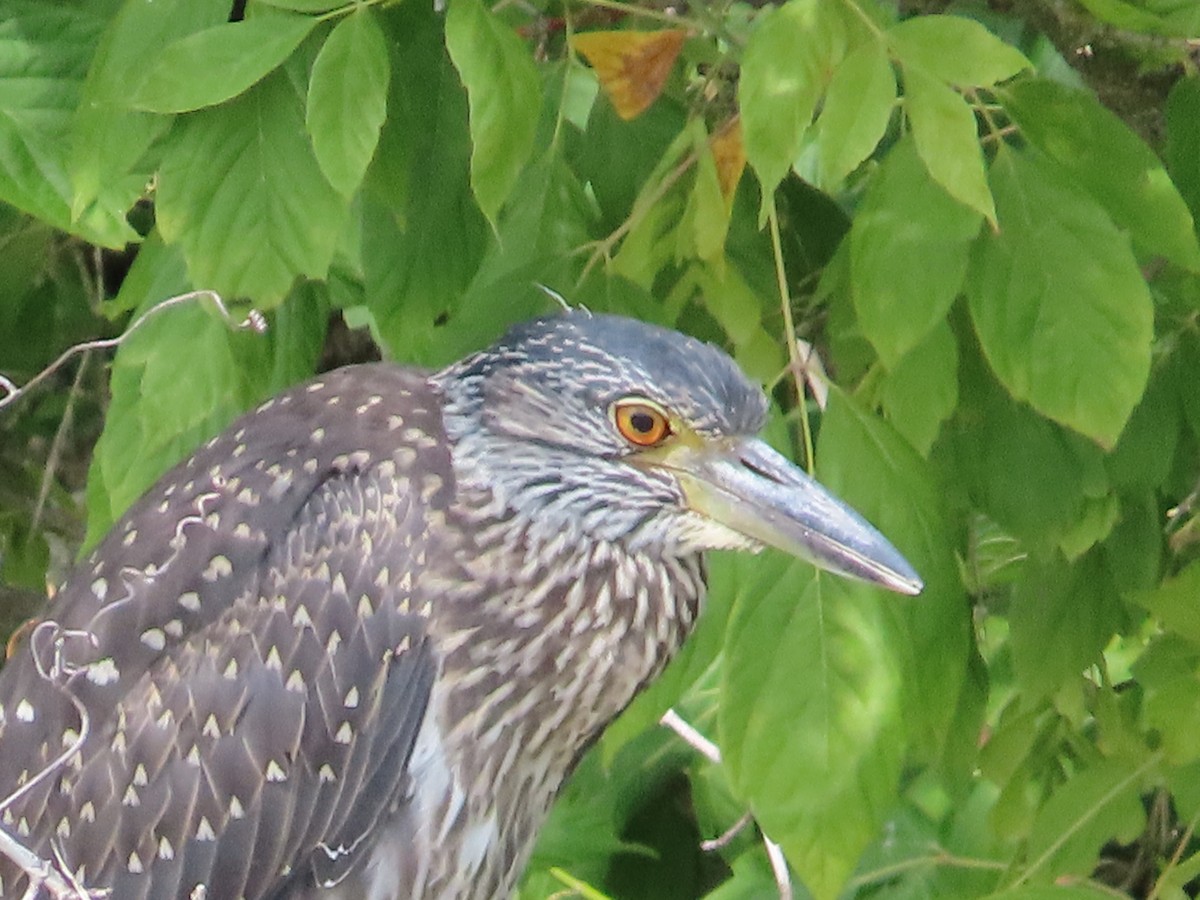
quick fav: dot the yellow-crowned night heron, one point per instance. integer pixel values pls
(353, 646)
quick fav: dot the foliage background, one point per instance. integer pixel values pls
(999, 272)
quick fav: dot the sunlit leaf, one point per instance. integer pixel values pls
(505, 97)
(1096, 805)
(44, 54)
(809, 716)
(227, 193)
(632, 66)
(856, 111)
(943, 126)
(110, 143)
(347, 99)
(213, 65)
(785, 67)
(1099, 152)
(909, 247)
(957, 50)
(706, 216)
(1059, 302)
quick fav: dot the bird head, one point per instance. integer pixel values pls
(602, 427)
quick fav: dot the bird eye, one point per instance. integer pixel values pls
(641, 422)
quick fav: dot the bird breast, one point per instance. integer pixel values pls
(566, 646)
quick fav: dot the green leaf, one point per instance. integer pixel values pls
(227, 193)
(920, 391)
(943, 126)
(706, 216)
(1059, 302)
(867, 463)
(155, 417)
(110, 143)
(784, 70)
(547, 217)
(957, 50)
(1174, 602)
(1134, 549)
(184, 374)
(1094, 806)
(44, 54)
(213, 65)
(909, 248)
(856, 111)
(423, 236)
(1144, 456)
(1184, 21)
(1166, 675)
(347, 99)
(809, 714)
(1099, 152)
(1032, 476)
(505, 96)
(1183, 140)
(1062, 616)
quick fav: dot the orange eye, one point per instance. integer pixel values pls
(641, 422)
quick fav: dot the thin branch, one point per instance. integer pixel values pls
(641, 207)
(711, 752)
(1069, 832)
(691, 736)
(783, 878)
(1173, 862)
(645, 13)
(939, 857)
(724, 839)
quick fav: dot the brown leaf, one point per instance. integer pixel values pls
(632, 65)
(730, 154)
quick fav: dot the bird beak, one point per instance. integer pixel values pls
(748, 487)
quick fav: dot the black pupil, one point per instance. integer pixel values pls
(642, 422)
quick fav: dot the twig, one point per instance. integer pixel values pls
(723, 840)
(711, 752)
(10, 392)
(812, 368)
(691, 736)
(783, 878)
(40, 871)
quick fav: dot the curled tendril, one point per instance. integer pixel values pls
(254, 321)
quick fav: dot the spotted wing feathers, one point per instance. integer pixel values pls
(252, 668)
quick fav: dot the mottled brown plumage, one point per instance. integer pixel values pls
(354, 644)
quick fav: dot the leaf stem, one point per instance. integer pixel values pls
(1173, 862)
(1085, 817)
(939, 857)
(641, 206)
(798, 365)
(631, 10)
